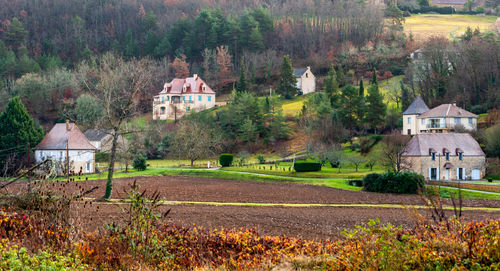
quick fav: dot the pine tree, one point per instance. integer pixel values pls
(287, 86)
(331, 84)
(17, 130)
(130, 49)
(15, 35)
(242, 85)
(255, 40)
(361, 88)
(163, 48)
(349, 107)
(376, 108)
(340, 76)
(374, 76)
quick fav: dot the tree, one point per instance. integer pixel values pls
(287, 86)
(405, 96)
(468, 5)
(15, 35)
(356, 160)
(374, 76)
(242, 84)
(340, 76)
(117, 85)
(375, 108)
(17, 131)
(331, 84)
(361, 88)
(225, 65)
(180, 66)
(493, 140)
(423, 3)
(392, 152)
(206, 143)
(88, 110)
(350, 105)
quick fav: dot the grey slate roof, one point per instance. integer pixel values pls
(417, 107)
(96, 135)
(299, 72)
(421, 144)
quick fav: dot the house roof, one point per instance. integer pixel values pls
(417, 107)
(299, 72)
(448, 2)
(193, 84)
(96, 134)
(422, 144)
(60, 137)
(448, 110)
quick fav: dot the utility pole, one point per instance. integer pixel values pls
(67, 159)
(28, 153)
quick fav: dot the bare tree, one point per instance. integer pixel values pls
(356, 160)
(393, 146)
(118, 86)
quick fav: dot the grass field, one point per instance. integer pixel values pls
(292, 107)
(386, 86)
(423, 26)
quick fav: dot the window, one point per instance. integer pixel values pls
(168, 98)
(460, 173)
(199, 98)
(460, 156)
(162, 99)
(307, 75)
(422, 121)
(184, 98)
(88, 166)
(457, 120)
(470, 120)
(209, 98)
(162, 109)
(433, 156)
(190, 98)
(447, 156)
(433, 174)
(409, 120)
(187, 108)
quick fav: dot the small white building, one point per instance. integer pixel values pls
(181, 96)
(306, 81)
(65, 142)
(102, 140)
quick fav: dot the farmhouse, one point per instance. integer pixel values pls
(181, 96)
(306, 81)
(102, 140)
(65, 142)
(441, 119)
(447, 156)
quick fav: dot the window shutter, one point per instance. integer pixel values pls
(429, 173)
(457, 173)
(437, 177)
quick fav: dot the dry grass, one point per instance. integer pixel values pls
(425, 25)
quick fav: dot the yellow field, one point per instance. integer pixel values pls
(425, 25)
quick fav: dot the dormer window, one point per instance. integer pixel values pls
(447, 156)
(204, 87)
(433, 156)
(461, 156)
(184, 88)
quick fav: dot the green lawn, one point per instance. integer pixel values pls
(293, 106)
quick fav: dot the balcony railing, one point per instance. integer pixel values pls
(436, 126)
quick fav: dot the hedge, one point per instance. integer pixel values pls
(101, 157)
(303, 166)
(226, 159)
(391, 182)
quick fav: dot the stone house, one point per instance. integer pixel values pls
(306, 81)
(181, 96)
(441, 119)
(446, 156)
(65, 142)
(102, 140)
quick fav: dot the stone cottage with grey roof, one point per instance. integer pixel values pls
(66, 143)
(306, 81)
(418, 118)
(103, 140)
(445, 156)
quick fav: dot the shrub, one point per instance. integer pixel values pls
(140, 163)
(102, 157)
(391, 182)
(303, 166)
(396, 70)
(261, 159)
(226, 159)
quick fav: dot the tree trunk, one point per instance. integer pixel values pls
(192, 162)
(112, 158)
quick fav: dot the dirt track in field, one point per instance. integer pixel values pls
(307, 222)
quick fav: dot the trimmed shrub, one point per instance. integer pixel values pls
(261, 159)
(102, 157)
(303, 166)
(140, 162)
(391, 182)
(226, 159)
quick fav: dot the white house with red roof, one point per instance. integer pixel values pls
(65, 142)
(181, 96)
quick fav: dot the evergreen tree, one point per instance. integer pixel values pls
(15, 34)
(287, 86)
(130, 49)
(17, 130)
(242, 84)
(255, 41)
(374, 76)
(267, 106)
(340, 76)
(361, 88)
(349, 107)
(376, 108)
(7, 60)
(151, 42)
(163, 49)
(331, 84)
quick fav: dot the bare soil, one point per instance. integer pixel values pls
(306, 222)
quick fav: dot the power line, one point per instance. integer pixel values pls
(19, 146)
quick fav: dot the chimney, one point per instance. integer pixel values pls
(309, 67)
(195, 76)
(67, 125)
(454, 103)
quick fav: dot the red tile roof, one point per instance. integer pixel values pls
(59, 137)
(447, 110)
(193, 85)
